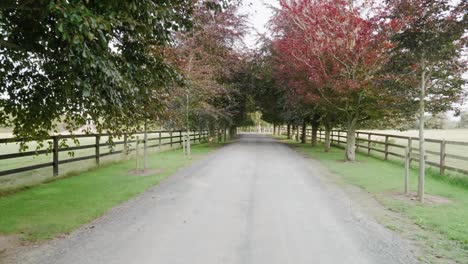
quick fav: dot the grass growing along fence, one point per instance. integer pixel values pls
(60, 206)
(23, 169)
(384, 180)
(446, 155)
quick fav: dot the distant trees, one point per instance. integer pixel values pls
(463, 120)
(438, 121)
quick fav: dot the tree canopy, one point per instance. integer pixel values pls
(69, 61)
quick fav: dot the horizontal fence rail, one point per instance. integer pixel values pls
(163, 138)
(446, 155)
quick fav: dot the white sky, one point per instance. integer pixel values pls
(259, 14)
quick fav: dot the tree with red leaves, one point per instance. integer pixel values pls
(341, 51)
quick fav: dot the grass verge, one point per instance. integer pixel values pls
(384, 180)
(61, 206)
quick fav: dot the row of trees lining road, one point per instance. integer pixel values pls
(208, 59)
(181, 64)
(122, 65)
(360, 64)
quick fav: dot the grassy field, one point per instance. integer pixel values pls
(447, 134)
(60, 206)
(384, 180)
(441, 134)
(31, 178)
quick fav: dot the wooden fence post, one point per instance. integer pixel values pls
(137, 150)
(357, 141)
(407, 168)
(55, 155)
(386, 147)
(180, 137)
(170, 138)
(369, 138)
(97, 148)
(442, 157)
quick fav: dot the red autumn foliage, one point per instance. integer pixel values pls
(332, 52)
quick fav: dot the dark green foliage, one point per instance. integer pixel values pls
(430, 41)
(76, 60)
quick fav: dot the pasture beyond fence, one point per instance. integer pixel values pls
(446, 155)
(93, 142)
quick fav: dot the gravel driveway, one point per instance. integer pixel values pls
(255, 201)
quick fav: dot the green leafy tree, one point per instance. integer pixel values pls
(428, 58)
(71, 61)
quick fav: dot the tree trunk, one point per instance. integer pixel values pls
(315, 126)
(184, 144)
(304, 131)
(327, 138)
(188, 147)
(314, 135)
(145, 146)
(297, 133)
(289, 131)
(220, 136)
(274, 129)
(187, 136)
(225, 135)
(422, 150)
(350, 153)
(212, 133)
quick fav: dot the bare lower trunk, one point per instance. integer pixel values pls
(145, 150)
(315, 125)
(289, 131)
(297, 133)
(422, 150)
(327, 138)
(188, 147)
(225, 135)
(304, 130)
(350, 153)
(212, 133)
(314, 135)
(184, 144)
(274, 129)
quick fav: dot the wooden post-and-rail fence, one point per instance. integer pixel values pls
(128, 139)
(405, 149)
(402, 147)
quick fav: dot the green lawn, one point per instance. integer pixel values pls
(385, 179)
(58, 207)
(17, 181)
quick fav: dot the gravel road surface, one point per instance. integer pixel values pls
(255, 201)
